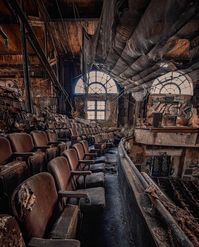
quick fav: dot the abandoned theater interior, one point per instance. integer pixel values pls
(99, 123)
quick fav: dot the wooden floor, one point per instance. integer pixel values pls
(109, 229)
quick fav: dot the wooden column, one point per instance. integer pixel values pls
(27, 82)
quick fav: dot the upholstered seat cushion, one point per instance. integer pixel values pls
(96, 200)
(12, 166)
(11, 175)
(101, 159)
(66, 225)
(10, 234)
(97, 167)
(93, 180)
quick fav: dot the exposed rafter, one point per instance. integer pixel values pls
(16, 9)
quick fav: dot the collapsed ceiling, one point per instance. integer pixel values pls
(148, 39)
(135, 43)
(57, 25)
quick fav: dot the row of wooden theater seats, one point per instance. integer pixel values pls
(81, 132)
(78, 131)
(22, 155)
(97, 136)
(105, 140)
(36, 199)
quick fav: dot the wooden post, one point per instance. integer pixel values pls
(27, 82)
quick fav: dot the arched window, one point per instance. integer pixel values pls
(99, 84)
(175, 83)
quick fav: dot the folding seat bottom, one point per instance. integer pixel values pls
(99, 167)
(92, 180)
(66, 225)
(101, 159)
(11, 175)
(96, 202)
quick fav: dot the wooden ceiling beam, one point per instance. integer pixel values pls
(16, 10)
(7, 59)
(36, 21)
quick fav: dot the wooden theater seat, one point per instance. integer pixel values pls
(36, 205)
(94, 167)
(41, 142)
(12, 172)
(53, 140)
(89, 180)
(60, 169)
(23, 145)
(10, 235)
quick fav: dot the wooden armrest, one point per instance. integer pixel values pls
(87, 161)
(62, 139)
(90, 154)
(40, 242)
(22, 154)
(42, 147)
(51, 143)
(73, 194)
(79, 173)
(94, 150)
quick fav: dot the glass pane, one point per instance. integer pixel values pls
(111, 87)
(100, 105)
(91, 115)
(96, 88)
(100, 83)
(100, 115)
(90, 105)
(172, 83)
(79, 87)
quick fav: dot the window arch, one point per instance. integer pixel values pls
(175, 83)
(97, 87)
(79, 88)
(98, 83)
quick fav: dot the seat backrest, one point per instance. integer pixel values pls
(52, 136)
(34, 202)
(85, 146)
(73, 132)
(21, 142)
(80, 150)
(10, 234)
(60, 169)
(40, 138)
(72, 157)
(5, 150)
